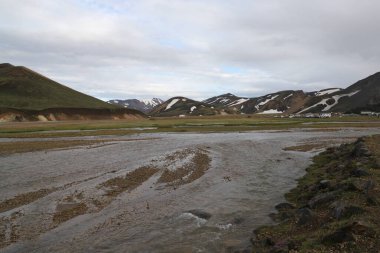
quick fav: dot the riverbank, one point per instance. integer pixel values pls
(335, 206)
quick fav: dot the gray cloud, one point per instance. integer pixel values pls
(125, 49)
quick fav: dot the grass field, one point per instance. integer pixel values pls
(189, 124)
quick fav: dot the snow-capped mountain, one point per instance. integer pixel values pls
(183, 106)
(363, 95)
(143, 105)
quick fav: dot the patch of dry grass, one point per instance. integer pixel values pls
(7, 148)
(23, 199)
(173, 124)
(189, 172)
(306, 147)
(66, 212)
(133, 179)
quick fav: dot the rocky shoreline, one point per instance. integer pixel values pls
(335, 206)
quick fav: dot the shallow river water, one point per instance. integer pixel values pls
(248, 175)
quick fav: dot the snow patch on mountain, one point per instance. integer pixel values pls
(288, 96)
(152, 102)
(266, 101)
(271, 111)
(327, 106)
(326, 92)
(171, 104)
(238, 102)
(144, 105)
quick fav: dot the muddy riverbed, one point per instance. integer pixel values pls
(186, 192)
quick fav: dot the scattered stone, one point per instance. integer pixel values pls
(340, 210)
(359, 173)
(324, 184)
(348, 233)
(269, 242)
(372, 200)
(238, 220)
(292, 245)
(364, 186)
(284, 206)
(200, 214)
(232, 246)
(247, 250)
(305, 216)
(339, 236)
(282, 215)
(227, 178)
(279, 247)
(360, 149)
(323, 198)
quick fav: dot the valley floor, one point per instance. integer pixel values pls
(149, 192)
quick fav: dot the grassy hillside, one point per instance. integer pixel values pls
(22, 88)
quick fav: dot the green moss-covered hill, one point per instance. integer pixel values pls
(22, 88)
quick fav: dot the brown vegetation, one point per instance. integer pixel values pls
(133, 179)
(67, 211)
(23, 199)
(199, 164)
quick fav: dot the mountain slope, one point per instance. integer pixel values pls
(223, 100)
(362, 95)
(183, 106)
(288, 101)
(366, 95)
(144, 105)
(22, 88)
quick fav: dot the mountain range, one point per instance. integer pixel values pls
(143, 105)
(362, 95)
(27, 95)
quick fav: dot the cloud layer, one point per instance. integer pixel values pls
(146, 48)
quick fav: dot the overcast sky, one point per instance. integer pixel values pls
(162, 48)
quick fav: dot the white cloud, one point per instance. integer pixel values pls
(126, 49)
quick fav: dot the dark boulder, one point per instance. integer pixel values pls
(305, 216)
(324, 184)
(282, 215)
(339, 236)
(284, 206)
(237, 220)
(341, 210)
(359, 173)
(348, 233)
(363, 186)
(360, 149)
(372, 200)
(323, 199)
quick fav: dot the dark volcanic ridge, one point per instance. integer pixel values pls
(363, 95)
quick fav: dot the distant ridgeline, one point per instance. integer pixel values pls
(23, 90)
(364, 95)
